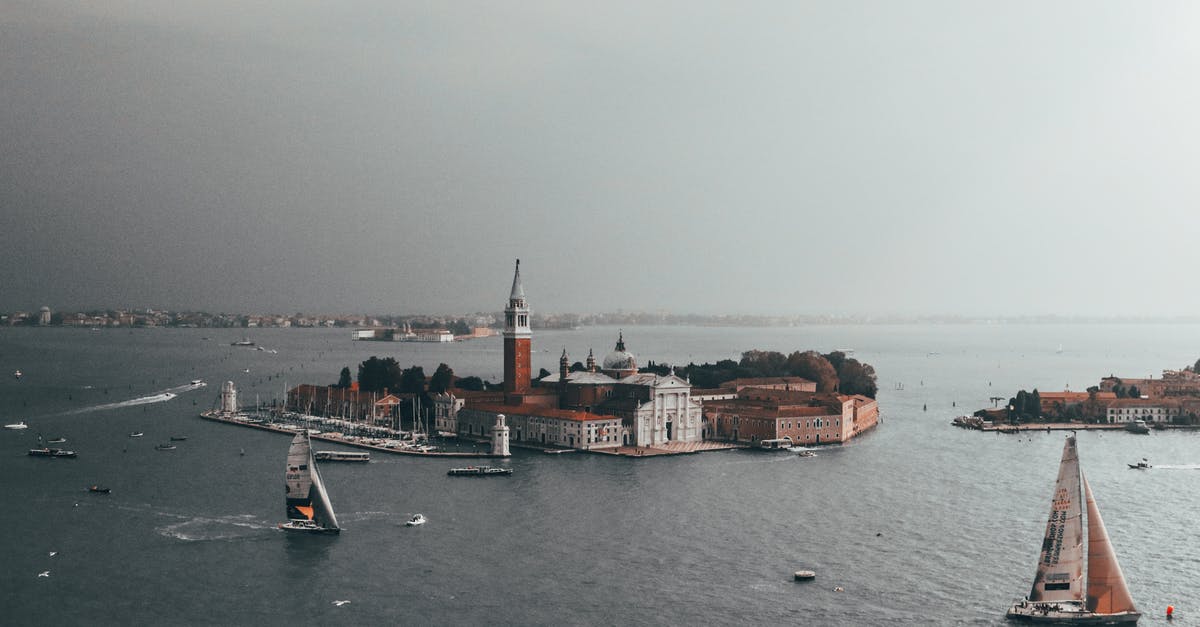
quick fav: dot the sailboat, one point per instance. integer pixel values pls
(308, 507)
(1062, 594)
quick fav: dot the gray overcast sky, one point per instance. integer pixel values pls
(395, 157)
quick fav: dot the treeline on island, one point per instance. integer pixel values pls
(832, 372)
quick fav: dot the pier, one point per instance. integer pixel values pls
(217, 416)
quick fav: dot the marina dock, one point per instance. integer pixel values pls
(217, 416)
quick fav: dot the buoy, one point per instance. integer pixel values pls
(1170, 612)
(804, 575)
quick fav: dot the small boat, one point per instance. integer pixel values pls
(804, 575)
(1137, 426)
(178, 438)
(136, 434)
(1142, 465)
(342, 456)
(479, 471)
(198, 382)
(806, 453)
(164, 447)
(308, 506)
(17, 425)
(17, 375)
(415, 521)
(99, 490)
(242, 342)
(57, 440)
(1061, 593)
(51, 452)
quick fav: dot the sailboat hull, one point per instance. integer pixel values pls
(1066, 614)
(305, 527)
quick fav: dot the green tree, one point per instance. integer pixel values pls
(856, 377)
(813, 366)
(836, 359)
(377, 375)
(442, 379)
(1134, 392)
(764, 363)
(412, 380)
(1034, 404)
(469, 383)
(344, 380)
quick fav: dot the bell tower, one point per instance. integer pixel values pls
(517, 335)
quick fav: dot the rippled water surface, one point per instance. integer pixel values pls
(918, 522)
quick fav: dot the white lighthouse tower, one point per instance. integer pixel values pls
(229, 398)
(500, 437)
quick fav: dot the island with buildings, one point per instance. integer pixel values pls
(610, 405)
(1171, 401)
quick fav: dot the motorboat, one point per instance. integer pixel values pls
(178, 438)
(51, 452)
(164, 447)
(136, 434)
(17, 375)
(99, 490)
(1137, 426)
(57, 440)
(198, 382)
(806, 453)
(415, 521)
(17, 425)
(243, 342)
(1142, 465)
(480, 471)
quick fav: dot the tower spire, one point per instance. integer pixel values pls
(518, 290)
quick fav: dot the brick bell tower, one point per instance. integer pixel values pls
(516, 340)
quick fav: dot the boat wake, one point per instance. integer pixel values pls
(201, 529)
(133, 402)
(1175, 467)
(158, 397)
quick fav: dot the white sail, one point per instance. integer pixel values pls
(1059, 574)
(306, 496)
(1106, 589)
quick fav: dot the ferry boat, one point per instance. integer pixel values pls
(342, 456)
(777, 444)
(480, 471)
(50, 452)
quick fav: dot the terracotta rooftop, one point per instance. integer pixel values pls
(539, 412)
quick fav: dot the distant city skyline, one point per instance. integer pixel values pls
(874, 159)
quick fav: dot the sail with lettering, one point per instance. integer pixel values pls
(308, 506)
(1059, 575)
(1063, 592)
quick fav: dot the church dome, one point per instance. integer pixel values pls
(620, 359)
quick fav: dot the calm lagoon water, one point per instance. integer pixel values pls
(918, 522)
